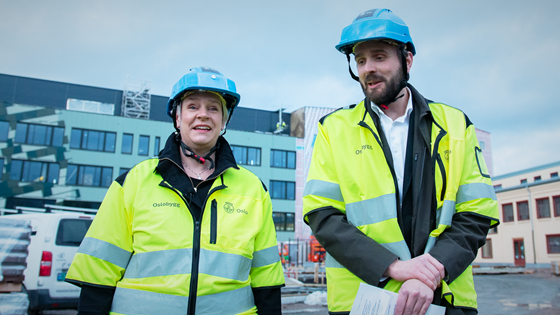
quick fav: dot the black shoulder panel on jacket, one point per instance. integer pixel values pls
(120, 179)
(468, 121)
(264, 186)
(334, 111)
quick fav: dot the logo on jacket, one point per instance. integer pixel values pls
(446, 154)
(228, 207)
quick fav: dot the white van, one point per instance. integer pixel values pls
(55, 238)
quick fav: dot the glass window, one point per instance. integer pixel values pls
(1, 165)
(522, 210)
(553, 243)
(75, 138)
(283, 159)
(487, 249)
(543, 208)
(493, 230)
(15, 170)
(246, 155)
(106, 176)
(58, 136)
(21, 133)
(87, 175)
(127, 143)
(556, 205)
(554, 175)
(498, 187)
(537, 178)
(156, 146)
(34, 171)
(71, 174)
(524, 181)
(279, 221)
(143, 145)
(507, 210)
(110, 138)
(4, 129)
(39, 134)
(92, 140)
(71, 232)
(290, 222)
(282, 190)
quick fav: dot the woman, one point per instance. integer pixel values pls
(189, 232)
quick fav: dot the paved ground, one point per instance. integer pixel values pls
(498, 294)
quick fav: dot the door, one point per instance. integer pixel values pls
(519, 252)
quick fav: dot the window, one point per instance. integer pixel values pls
(156, 146)
(282, 190)
(498, 187)
(123, 170)
(493, 230)
(85, 175)
(247, 155)
(39, 134)
(4, 129)
(543, 208)
(507, 210)
(537, 178)
(487, 249)
(553, 244)
(92, 140)
(482, 145)
(127, 143)
(1, 165)
(283, 221)
(71, 232)
(34, 171)
(143, 145)
(554, 175)
(524, 181)
(556, 205)
(284, 159)
(522, 210)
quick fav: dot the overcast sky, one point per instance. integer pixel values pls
(495, 60)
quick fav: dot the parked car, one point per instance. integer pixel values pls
(55, 238)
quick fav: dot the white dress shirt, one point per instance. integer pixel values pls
(396, 132)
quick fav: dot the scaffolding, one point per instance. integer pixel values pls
(136, 99)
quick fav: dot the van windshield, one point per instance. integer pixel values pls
(71, 232)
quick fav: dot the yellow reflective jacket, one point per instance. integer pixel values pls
(349, 174)
(145, 242)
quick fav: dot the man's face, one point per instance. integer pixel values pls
(380, 70)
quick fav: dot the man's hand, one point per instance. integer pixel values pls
(424, 268)
(414, 298)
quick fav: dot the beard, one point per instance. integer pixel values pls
(393, 86)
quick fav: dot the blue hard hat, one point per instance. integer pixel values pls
(205, 79)
(375, 24)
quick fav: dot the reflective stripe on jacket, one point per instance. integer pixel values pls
(349, 172)
(145, 242)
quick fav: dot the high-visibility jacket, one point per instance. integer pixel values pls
(349, 172)
(145, 242)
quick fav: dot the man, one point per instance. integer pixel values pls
(398, 192)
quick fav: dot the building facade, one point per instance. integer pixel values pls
(529, 230)
(64, 144)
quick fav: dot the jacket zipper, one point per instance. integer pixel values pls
(443, 176)
(213, 221)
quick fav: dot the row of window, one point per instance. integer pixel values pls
(543, 209)
(102, 176)
(552, 247)
(524, 181)
(105, 141)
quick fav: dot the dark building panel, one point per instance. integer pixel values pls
(51, 94)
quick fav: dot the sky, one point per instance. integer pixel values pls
(495, 60)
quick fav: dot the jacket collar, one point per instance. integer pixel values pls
(171, 154)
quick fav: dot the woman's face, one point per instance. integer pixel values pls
(200, 121)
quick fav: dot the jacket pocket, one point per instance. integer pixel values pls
(213, 221)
